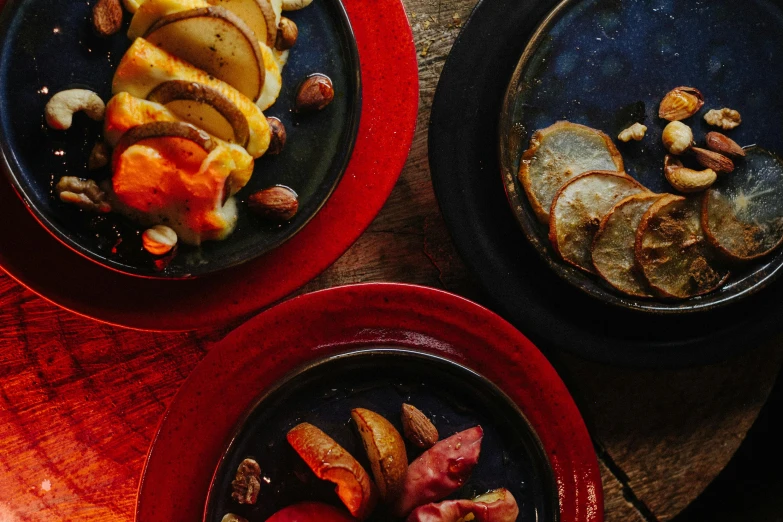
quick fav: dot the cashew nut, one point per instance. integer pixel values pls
(687, 180)
(295, 5)
(64, 104)
(634, 132)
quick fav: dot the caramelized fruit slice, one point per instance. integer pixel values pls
(204, 107)
(613, 248)
(673, 252)
(150, 11)
(742, 214)
(578, 209)
(330, 461)
(259, 15)
(385, 449)
(164, 129)
(215, 40)
(559, 153)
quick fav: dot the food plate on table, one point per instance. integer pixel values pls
(28, 250)
(596, 70)
(362, 352)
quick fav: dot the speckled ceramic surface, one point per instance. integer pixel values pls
(217, 395)
(608, 63)
(49, 46)
(382, 379)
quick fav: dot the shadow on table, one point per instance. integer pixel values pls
(750, 488)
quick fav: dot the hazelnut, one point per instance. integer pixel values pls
(634, 132)
(287, 33)
(681, 103)
(277, 142)
(677, 137)
(726, 119)
(277, 203)
(315, 93)
(159, 240)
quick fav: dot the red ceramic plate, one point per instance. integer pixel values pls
(204, 414)
(389, 108)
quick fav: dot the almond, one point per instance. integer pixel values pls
(712, 160)
(418, 429)
(276, 203)
(107, 17)
(681, 103)
(724, 145)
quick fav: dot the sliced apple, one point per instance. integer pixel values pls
(385, 449)
(259, 15)
(215, 40)
(496, 506)
(146, 66)
(330, 461)
(204, 107)
(150, 11)
(311, 512)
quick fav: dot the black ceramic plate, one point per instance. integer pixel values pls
(48, 46)
(519, 284)
(607, 64)
(324, 393)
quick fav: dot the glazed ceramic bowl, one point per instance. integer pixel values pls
(382, 379)
(48, 46)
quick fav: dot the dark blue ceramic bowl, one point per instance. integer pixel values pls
(48, 46)
(324, 392)
(608, 63)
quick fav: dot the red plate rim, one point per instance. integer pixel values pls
(214, 398)
(390, 97)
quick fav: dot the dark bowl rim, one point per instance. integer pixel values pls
(541, 457)
(345, 153)
(523, 213)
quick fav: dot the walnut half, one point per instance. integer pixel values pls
(726, 119)
(247, 484)
(84, 193)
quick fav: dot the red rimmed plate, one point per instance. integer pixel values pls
(202, 417)
(389, 109)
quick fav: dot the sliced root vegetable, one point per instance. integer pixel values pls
(559, 153)
(311, 512)
(385, 449)
(215, 40)
(205, 107)
(330, 461)
(673, 252)
(742, 214)
(579, 207)
(614, 255)
(496, 506)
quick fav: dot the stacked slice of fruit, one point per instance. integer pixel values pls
(187, 117)
(604, 222)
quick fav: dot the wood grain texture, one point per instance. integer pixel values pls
(80, 401)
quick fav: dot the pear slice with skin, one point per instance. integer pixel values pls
(216, 41)
(259, 15)
(164, 129)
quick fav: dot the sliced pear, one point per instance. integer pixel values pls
(204, 107)
(560, 153)
(742, 214)
(164, 129)
(150, 11)
(385, 450)
(146, 66)
(673, 252)
(259, 15)
(215, 40)
(614, 255)
(579, 207)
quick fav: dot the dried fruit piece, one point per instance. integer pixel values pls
(418, 428)
(726, 119)
(578, 209)
(558, 154)
(634, 132)
(673, 252)
(614, 256)
(722, 144)
(742, 214)
(712, 160)
(681, 103)
(330, 461)
(247, 483)
(385, 450)
(677, 138)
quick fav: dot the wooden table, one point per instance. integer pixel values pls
(80, 401)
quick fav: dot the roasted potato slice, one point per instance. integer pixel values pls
(614, 256)
(742, 214)
(330, 461)
(385, 449)
(559, 153)
(673, 252)
(579, 207)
